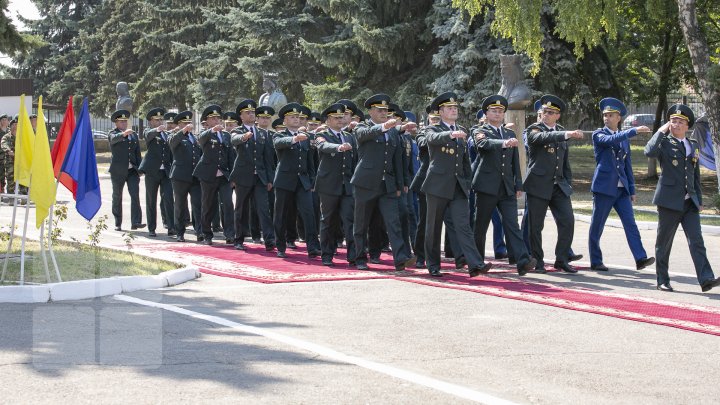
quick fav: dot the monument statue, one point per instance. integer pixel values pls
(273, 96)
(513, 87)
(124, 101)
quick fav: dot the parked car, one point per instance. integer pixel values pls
(636, 120)
(100, 135)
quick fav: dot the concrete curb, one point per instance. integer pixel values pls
(645, 225)
(85, 289)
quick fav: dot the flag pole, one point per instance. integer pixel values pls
(12, 233)
(50, 245)
(24, 235)
(42, 251)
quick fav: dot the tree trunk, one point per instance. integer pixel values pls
(700, 56)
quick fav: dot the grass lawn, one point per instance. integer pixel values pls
(79, 263)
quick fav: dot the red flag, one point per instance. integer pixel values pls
(60, 148)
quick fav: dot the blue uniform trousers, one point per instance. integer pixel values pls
(602, 204)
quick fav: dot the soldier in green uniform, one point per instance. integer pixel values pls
(124, 164)
(678, 196)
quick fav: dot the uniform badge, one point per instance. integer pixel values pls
(551, 150)
(442, 149)
(675, 162)
(451, 151)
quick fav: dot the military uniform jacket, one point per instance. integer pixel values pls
(336, 168)
(295, 162)
(217, 155)
(7, 144)
(614, 166)
(407, 158)
(125, 152)
(186, 155)
(158, 153)
(495, 166)
(548, 161)
(680, 173)
(449, 160)
(424, 158)
(380, 161)
(254, 158)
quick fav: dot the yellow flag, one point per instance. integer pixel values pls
(42, 190)
(24, 141)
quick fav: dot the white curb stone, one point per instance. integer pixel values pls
(137, 283)
(24, 293)
(84, 289)
(179, 276)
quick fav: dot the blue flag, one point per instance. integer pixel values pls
(701, 133)
(81, 165)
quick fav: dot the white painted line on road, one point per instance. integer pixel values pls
(452, 389)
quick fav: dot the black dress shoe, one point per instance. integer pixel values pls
(217, 229)
(420, 264)
(574, 258)
(281, 254)
(481, 269)
(374, 260)
(118, 228)
(386, 249)
(314, 253)
(710, 284)
(327, 262)
(152, 234)
(207, 242)
(172, 233)
(200, 238)
(362, 266)
(229, 241)
(665, 287)
(500, 256)
(512, 260)
(291, 245)
(240, 246)
(599, 267)
(460, 263)
(642, 263)
(564, 267)
(180, 238)
(407, 263)
(137, 226)
(256, 241)
(524, 269)
(269, 248)
(435, 272)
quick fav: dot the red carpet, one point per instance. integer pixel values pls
(256, 264)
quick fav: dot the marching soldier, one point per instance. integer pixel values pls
(264, 116)
(213, 171)
(678, 196)
(378, 180)
(186, 152)
(497, 181)
(394, 111)
(155, 166)
(548, 182)
(294, 179)
(447, 187)
(613, 184)
(338, 158)
(252, 174)
(124, 164)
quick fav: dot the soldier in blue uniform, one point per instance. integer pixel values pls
(124, 164)
(213, 171)
(447, 187)
(155, 166)
(613, 183)
(497, 181)
(678, 196)
(338, 157)
(186, 152)
(253, 173)
(378, 180)
(548, 182)
(294, 180)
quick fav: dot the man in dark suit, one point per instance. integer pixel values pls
(548, 182)
(613, 184)
(497, 181)
(338, 157)
(252, 174)
(447, 187)
(378, 180)
(679, 196)
(294, 178)
(213, 171)
(155, 166)
(124, 163)
(186, 153)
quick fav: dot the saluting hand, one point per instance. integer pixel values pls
(188, 128)
(162, 128)
(458, 134)
(247, 135)
(510, 125)
(345, 147)
(127, 132)
(511, 143)
(389, 124)
(576, 134)
(300, 137)
(352, 125)
(643, 129)
(480, 136)
(218, 128)
(665, 127)
(409, 126)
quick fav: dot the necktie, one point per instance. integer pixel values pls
(219, 135)
(192, 138)
(163, 136)
(452, 128)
